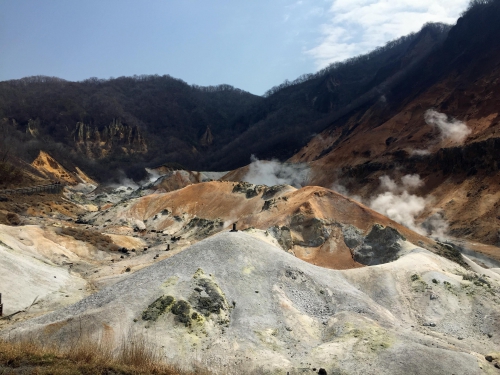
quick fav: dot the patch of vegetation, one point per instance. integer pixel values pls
(476, 279)
(478, 284)
(157, 308)
(469, 276)
(9, 174)
(203, 227)
(96, 239)
(207, 299)
(482, 282)
(419, 285)
(449, 287)
(213, 302)
(450, 252)
(375, 338)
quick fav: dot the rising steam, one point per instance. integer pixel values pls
(451, 129)
(400, 203)
(420, 152)
(273, 172)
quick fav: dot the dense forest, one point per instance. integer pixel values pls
(126, 123)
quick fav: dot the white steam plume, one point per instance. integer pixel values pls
(436, 226)
(419, 152)
(399, 203)
(124, 182)
(411, 181)
(454, 130)
(152, 177)
(402, 208)
(408, 183)
(273, 172)
(341, 189)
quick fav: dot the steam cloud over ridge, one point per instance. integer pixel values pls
(270, 173)
(399, 202)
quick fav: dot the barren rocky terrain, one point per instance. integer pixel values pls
(311, 279)
(350, 222)
(238, 298)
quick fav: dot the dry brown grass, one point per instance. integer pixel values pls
(86, 356)
(10, 175)
(99, 240)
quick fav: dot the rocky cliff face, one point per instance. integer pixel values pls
(207, 139)
(50, 168)
(95, 143)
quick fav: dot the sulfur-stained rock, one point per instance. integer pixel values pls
(157, 308)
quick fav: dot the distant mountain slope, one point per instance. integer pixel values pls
(397, 136)
(375, 87)
(127, 120)
(131, 122)
(293, 112)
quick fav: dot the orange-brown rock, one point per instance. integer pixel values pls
(309, 221)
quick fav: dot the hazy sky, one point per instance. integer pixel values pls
(250, 44)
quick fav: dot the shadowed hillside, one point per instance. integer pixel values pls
(131, 122)
(455, 88)
(126, 123)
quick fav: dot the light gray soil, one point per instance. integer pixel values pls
(233, 299)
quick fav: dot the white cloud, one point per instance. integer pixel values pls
(359, 26)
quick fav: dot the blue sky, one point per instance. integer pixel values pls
(250, 44)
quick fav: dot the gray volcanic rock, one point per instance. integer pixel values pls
(352, 236)
(381, 245)
(282, 235)
(313, 230)
(233, 298)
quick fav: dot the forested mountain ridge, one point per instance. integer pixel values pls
(131, 122)
(148, 120)
(456, 88)
(127, 122)
(293, 112)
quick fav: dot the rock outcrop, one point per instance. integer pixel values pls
(207, 138)
(95, 143)
(381, 245)
(53, 170)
